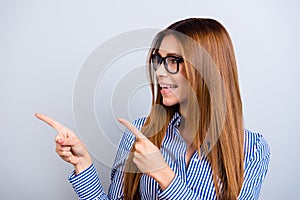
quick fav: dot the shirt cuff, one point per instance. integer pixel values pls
(86, 184)
(176, 190)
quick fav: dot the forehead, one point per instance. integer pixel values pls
(169, 45)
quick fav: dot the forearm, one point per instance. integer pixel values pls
(163, 176)
(87, 184)
(83, 164)
(178, 189)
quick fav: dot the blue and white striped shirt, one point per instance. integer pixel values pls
(192, 182)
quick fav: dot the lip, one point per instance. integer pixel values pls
(168, 89)
(165, 91)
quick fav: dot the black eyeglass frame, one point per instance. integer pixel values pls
(178, 60)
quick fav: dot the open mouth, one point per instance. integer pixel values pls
(168, 86)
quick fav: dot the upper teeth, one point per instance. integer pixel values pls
(167, 86)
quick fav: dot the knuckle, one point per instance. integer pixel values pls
(57, 149)
(68, 159)
(137, 146)
(67, 153)
(62, 153)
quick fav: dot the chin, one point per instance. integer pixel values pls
(170, 102)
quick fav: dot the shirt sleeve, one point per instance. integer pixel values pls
(177, 190)
(256, 166)
(87, 184)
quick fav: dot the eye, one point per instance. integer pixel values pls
(173, 60)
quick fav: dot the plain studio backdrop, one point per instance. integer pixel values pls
(44, 45)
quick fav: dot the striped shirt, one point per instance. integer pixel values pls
(192, 182)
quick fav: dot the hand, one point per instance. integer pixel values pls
(148, 158)
(68, 146)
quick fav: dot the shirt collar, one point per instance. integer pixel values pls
(176, 119)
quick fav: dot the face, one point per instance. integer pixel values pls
(173, 87)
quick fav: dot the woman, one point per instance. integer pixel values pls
(193, 144)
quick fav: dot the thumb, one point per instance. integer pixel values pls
(60, 140)
(72, 141)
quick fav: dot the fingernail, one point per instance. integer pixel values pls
(60, 140)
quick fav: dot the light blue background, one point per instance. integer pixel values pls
(43, 45)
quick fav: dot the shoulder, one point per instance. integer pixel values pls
(255, 146)
(126, 143)
(256, 164)
(128, 138)
(138, 123)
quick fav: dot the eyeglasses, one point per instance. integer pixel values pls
(171, 63)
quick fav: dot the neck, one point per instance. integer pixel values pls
(183, 113)
(183, 110)
(184, 130)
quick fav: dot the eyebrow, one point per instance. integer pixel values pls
(170, 54)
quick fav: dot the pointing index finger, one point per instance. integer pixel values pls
(138, 134)
(49, 121)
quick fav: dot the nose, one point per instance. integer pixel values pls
(161, 70)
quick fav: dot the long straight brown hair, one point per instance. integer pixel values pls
(217, 123)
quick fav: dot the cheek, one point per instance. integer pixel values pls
(183, 88)
(178, 95)
(183, 94)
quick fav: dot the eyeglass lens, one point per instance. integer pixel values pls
(171, 63)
